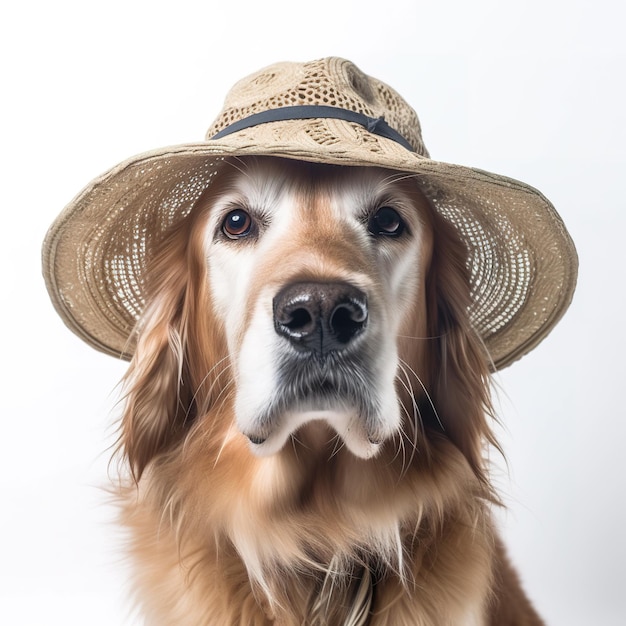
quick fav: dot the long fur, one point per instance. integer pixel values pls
(313, 534)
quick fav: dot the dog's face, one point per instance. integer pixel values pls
(315, 273)
(323, 304)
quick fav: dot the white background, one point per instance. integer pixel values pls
(534, 90)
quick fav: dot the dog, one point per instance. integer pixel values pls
(307, 412)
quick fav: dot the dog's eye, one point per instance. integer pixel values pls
(237, 224)
(386, 221)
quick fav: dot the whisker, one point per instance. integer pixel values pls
(416, 416)
(427, 338)
(222, 447)
(213, 383)
(428, 396)
(241, 165)
(339, 444)
(225, 394)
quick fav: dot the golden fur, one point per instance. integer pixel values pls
(312, 534)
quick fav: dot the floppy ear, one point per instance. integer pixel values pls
(168, 383)
(458, 363)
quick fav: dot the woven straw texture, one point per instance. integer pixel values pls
(523, 263)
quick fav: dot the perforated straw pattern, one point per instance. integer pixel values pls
(523, 264)
(139, 208)
(499, 281)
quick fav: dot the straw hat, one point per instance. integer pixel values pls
(523, 262)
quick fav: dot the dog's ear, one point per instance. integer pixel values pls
(458, 364)
(167, 383)
(156, 407)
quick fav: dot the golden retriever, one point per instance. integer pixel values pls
(307, 412)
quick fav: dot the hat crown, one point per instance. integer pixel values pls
(333, 82)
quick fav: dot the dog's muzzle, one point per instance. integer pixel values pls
(327, 369)
(320, 317)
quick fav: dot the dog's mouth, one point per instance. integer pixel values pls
(346, 425)
(334, 391)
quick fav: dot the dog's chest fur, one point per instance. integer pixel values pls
(189, 577)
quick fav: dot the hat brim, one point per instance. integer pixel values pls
(522, 260)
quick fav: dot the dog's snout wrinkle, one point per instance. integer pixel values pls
(320, 317)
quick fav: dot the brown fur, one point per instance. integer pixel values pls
(312, 535)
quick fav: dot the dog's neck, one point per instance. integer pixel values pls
(346, 599)
(343, 594)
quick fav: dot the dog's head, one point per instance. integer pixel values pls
(314, 303)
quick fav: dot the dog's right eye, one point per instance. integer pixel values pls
(237, 224)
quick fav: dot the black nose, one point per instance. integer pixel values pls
(320, 317)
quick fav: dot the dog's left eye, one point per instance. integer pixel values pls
(237, 224)
(387, 222)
